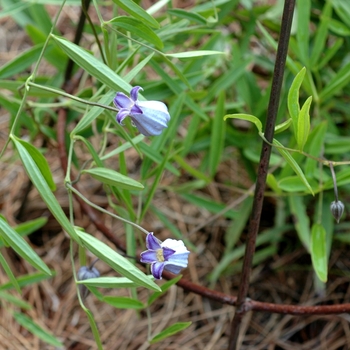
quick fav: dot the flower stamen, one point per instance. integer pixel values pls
(160, 256)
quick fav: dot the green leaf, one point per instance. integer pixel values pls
(293, 164)
(191, 16)
(41, 163)
(321, 35)
(41, 185)
(217, 138)
(248, 117)
(92, 65)
(137, 28)
(319, 252)
(283, 126)
(27, 280)
(21, 247)
(209, 204)
(157, 158)
(15, 301)
(110, 282)
(315, 147)
(340, 80)
(94, 328)
(91, 150)
(173, 329)
(116, 261)
(35, 329)
(293, 99)
(124, 302)
(338, 43)
(124, 147)
(138, 12)
(301, 220)
(21, 62)
(113, 178)
(28, 227)
(198, 53)
(12, 278)
(296, 184)
(303, 129)
(338, 27)
(303, 30)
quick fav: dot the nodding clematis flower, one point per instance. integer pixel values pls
(171, 255)
(150, 117)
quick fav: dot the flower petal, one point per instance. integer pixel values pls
(179, 259)
(148, 256)
(173, 268)
(152, 121)
(135, 109)
(152, 242)
(167, 253)
(122, 101)
(122, 114)
(157, 270)
(175, 244)
(134, 92)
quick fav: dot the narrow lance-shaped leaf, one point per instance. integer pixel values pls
(116, 261)
(137, 28)
(35, 329)
(137, 11)
(319, 251)
(113, 178)
(21, 247)
(173, 329)
(217, 136)
(41, 185)
(293, 164)
(304, 124)
(248, 117)
(92, 65)
(41, 162)
(293, 98)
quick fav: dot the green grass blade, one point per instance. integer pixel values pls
(35, 329)
(217, 138)
(319, 251)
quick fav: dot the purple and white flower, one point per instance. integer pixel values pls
(150, 117)
(171, 255)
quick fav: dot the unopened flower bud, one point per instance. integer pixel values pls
(86, 273)
(337, 209)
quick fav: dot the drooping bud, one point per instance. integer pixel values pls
(85, 273)
(337, 209)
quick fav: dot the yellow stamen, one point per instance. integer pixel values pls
(160, 256)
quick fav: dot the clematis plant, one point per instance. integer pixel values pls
(150, 117)
(171, 255)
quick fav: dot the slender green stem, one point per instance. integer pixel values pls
(69, 186)
(84, 8)
(134, 40)
(36, 67)
(62, 93)
(320, 160)
(334, 181)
